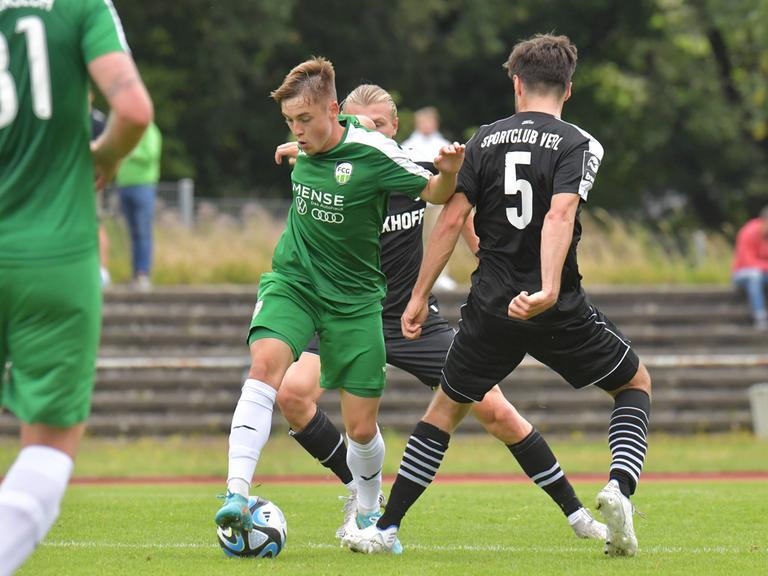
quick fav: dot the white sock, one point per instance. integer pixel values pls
(30, 497)
(251, 424)
(365, 462)
(574, 517)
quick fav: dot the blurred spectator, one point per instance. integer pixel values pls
(137, 184)
(98, 123)
(425, 141)
(750, 266)
(423, 145)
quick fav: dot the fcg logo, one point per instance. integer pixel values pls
(326, 216)
(343, 172)
(301, 205)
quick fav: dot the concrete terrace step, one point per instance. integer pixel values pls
(677, 337)
(172, 361)
(183, 374)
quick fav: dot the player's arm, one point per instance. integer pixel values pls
(556, 238)
(442, 185)
(131, 111)
(469, 235)
(442, 241)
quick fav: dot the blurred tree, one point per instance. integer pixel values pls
(675, 90)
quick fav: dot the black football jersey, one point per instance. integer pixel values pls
(511, 170)
(402, 249)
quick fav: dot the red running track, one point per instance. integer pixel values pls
(747, 476)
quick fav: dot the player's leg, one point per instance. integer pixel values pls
(354, 360)
(280, 328)
(365, 452)
(51, 320)
(591, 350)
(628, 441)
(311, 427)
(501, 419)
(473, 366)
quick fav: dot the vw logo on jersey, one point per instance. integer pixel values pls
(343, 172)
(327, 216)
(301, 205)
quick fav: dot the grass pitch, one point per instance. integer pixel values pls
(699, 528)
(709, 527)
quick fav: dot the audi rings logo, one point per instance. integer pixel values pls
(326, 216)
(301, 205)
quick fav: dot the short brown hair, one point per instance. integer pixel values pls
(544, 63)
(367, 94)
(314, 78)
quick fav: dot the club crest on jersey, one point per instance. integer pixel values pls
(343, 173)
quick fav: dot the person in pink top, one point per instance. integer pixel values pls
(750, 266)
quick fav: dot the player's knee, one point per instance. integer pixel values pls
(293, 403)
(262, 369)
(502, 420)
(640, 381)
(362, 432)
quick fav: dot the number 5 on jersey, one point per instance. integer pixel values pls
(518, 217)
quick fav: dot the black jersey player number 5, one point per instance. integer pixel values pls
(519, 216)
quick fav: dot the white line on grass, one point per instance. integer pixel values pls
(425, 547)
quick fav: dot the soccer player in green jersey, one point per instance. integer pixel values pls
(326, 279)
(50, 296)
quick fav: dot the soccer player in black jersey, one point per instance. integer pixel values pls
(526, 176)
(401, 253)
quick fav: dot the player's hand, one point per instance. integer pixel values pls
(288, 150)
(105, 165)
(450, 158)
(525, 306)
(413, 317)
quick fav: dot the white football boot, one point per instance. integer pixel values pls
(350, 512)
(372, 540)
(617, 512)
(585, 526)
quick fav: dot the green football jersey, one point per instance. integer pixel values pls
(340, 198)
(47, 201)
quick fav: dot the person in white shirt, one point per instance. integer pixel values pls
(423, 145)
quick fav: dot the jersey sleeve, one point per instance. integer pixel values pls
(401, 174)
(467, 180)
(391, 166)
(577, 169)
(102, 30)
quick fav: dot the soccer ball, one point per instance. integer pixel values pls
(265, 540)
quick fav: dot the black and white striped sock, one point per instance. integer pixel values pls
(539, 463)
(628, 438)
(421, 460)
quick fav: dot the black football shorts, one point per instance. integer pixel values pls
(585, 350)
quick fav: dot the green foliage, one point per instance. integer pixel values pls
(675, 90)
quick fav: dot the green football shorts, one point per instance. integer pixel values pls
(353, 355)
(50, 322)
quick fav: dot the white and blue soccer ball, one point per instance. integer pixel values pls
(265, 540)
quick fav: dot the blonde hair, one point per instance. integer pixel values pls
(314, 78)
(367, 94)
